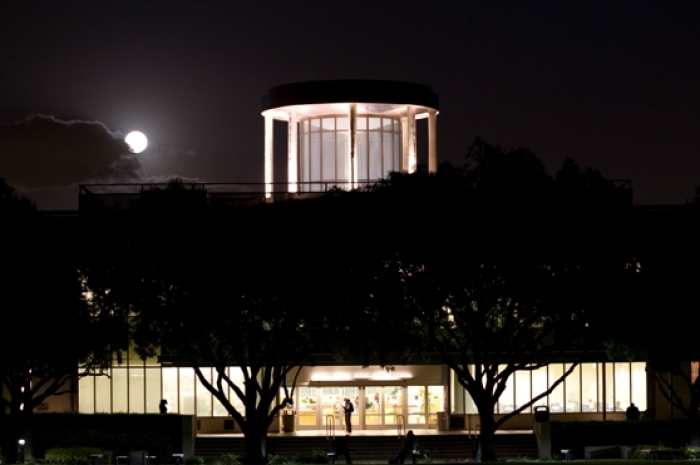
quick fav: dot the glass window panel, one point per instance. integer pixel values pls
(639, 385)
(204, 408)
(506, 403)
(236, 376)
(170, 389)
(540, 383)
(608, 390)
(332, 400)
(137, 390)
(306, 406)
(354, 394)
(462, 402)
(387, 154)
(375, 156)
(103, 394)
(120, 402)
(622, 385)
(374, 124)
(361, 123)
(132, 358)
(393, 404)
(328, 124)
(374, 404)
(415, 400)
(86, 394)
(436, 403)
(589, 387)
(218, 409)
(387, 124)
(187, 397)
(523, 389)
(573, 389)
(328, 156)
(153, 395)
(556, 398)
(152, 361)
(330, 404)
(342, 124)
(342, 158)
(397, 152)
(361, 157)
(304, 161)
(314, 125)
(315, 159)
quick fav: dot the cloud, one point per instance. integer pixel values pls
(45, 152)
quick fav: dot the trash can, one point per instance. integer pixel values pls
(442, 421)
(288, 421)
(541, 414)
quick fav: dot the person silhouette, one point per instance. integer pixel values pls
(163, 406)
(349, 408)
(410, 447)
(632, 412)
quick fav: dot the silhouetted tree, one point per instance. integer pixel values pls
(663, 332)
(54, 334)
(229, 300)
(503, 279)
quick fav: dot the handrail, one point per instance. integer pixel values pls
(400, 426)
(330, 427)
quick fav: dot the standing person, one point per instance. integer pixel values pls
(410, 446)
(632, 412)
(163, 406)
(349, 408)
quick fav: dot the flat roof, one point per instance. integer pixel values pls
(349, 91)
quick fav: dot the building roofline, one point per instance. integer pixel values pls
(350, 90)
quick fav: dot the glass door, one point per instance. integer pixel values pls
(307, 407)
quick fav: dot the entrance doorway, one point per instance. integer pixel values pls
(376, 407)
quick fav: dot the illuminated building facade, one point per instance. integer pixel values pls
(346, 134)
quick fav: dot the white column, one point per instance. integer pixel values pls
(293, 153)
(269, 145)
(432, 141)
(353, 146)
(411, 139)
(404, 144)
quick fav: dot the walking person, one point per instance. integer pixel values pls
(410, 447)
(349, 408)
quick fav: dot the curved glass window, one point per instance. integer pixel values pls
(324, 151)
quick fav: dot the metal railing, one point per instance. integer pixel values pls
(125, 196)
(330, 427)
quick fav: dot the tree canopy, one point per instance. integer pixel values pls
(59, 333)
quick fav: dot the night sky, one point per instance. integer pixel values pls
(615, 85)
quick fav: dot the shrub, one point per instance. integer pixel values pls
(75, 454)
(194, 460)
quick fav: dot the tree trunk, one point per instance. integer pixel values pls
(487, 430)
(694, 421)
(255, 446)
(12, 432)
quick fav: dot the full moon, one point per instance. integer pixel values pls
(136, 141)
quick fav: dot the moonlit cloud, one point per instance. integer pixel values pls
(43, 151)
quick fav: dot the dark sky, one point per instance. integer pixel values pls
(613, 84)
